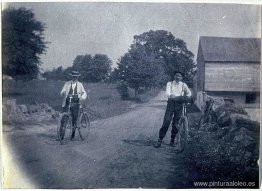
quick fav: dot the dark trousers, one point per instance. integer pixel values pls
(173, 110)
(74, 110)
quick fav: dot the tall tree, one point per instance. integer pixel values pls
(173, 51)
(101, 67)
(56, 74)
(138, 68)
(22, 43)
(83, 63)
(93, 69)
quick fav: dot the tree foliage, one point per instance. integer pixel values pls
(22, 43)
(172, 51)
(93, 69)
(58, 74)
(152, 59)
(139, 68)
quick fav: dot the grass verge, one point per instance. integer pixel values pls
(104, 100)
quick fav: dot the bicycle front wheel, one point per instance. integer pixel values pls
(183, 133)
(64, 130)
(84, 126)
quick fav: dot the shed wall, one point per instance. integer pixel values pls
(200, 70)
(238, 97)
(242, 77)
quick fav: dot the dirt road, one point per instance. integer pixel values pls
(119, 154)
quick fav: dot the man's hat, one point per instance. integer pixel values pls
(177, 71)
(75, 73)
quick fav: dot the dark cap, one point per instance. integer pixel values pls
(75, 73)
(179, 72)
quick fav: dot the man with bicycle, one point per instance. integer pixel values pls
(177, 92)
(76, 91)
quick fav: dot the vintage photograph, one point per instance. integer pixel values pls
(99, 95)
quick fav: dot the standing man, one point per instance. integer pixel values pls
(177, 91)
(76, 90)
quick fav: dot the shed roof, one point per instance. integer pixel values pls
(225, 49)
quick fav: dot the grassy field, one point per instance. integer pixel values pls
(104, 99)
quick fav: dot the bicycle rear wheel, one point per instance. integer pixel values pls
(201, 122)
(205, 122)
(64, 130)
(183, 134)
(84, 126)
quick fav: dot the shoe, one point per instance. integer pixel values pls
(158, 144)
(172, 144)
(72, 136)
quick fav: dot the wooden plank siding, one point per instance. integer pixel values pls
(200, 70)
(241, 77)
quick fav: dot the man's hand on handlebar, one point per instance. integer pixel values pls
(181, 99)
(172, 96)
(78, 95)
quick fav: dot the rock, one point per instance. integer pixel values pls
(55, 114)
(230, 107)
(23, 114)
(10, 106)
(239, 136)
(248, 124)
(6, 77)
(33, 108)
(39, 118)
(21, 108)
(223, 119)
(226, 118)
(46, 107)
(236, 116)
(248, 142)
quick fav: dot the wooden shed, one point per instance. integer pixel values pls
(229, 68)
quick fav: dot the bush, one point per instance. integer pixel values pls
(122, 88)
(227, 153)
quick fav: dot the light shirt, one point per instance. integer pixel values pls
(177, 89)
(80, 91)
(73, 87)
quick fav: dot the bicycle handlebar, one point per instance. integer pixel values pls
(218, 100)
(183, 99)
(71, 95)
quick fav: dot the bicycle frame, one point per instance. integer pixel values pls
(211, 100)
(184, 109)
(69, 115)
(70, 101)
(183, 127)
(206, 118)
(69, 107)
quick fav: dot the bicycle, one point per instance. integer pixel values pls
(207, 119)
(65, 126)
(183, 135)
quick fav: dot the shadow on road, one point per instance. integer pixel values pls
(50, 139)
(137, 142)
(151, 143)
(163, 107)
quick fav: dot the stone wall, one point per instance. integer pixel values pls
(19, 113)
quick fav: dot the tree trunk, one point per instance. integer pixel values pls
(136, 92)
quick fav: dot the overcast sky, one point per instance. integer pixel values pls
(108, 28)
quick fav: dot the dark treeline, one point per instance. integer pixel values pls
(92, 69)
